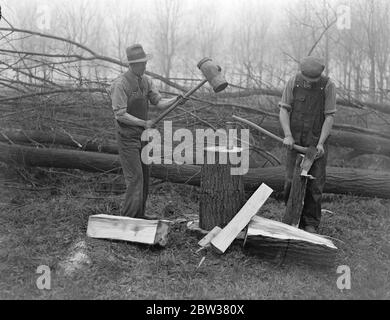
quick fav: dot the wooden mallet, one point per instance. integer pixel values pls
(212, 74)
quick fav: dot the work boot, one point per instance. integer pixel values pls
(310, 229)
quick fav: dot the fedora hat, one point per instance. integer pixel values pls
(311, 68)
(136, 53)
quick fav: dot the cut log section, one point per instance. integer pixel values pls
(274, 239)
(223, 240)
(221, 194)
(358, 182)
(150, 232)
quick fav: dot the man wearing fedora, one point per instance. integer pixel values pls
(131, 94)
(307, 112)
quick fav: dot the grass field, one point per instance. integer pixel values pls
(42, 228)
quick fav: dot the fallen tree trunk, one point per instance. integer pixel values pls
(364, 143)
(58, 138)
(358, 182)
(384, 108)
(273, 115)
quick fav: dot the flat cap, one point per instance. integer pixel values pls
(311, 68)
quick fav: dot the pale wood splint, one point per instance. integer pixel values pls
(224, 238)
(210, 236)
(150, 232)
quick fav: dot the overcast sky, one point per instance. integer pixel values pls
(226, 8)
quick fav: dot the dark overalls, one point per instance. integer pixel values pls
(136, 173)
(306, 120)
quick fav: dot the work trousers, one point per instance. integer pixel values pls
(311, 213)
(136, 173)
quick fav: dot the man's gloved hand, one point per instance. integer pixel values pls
(288, 142)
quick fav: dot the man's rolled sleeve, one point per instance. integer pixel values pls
(154, 95)
(118, 97)
(330, 98)
(287, 96)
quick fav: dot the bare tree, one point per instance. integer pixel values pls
(124, 26)
(166, 26)
(383, 48)
(248, 39)
(207, 29)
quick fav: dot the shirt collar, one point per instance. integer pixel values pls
(135, 76)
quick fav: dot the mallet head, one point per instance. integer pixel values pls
(212, 73)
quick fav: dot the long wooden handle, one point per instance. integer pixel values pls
(177, 103)
(269, 134)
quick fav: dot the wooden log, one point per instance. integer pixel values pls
(384, 108)
(223, 240)
(295, 203)
(221, 194)
(278, 241)
(274, 239)
(59, 139)
(279, 230)
(290, 251)
(364, 143)
(358, 182)
(152, 232)
(353, 154)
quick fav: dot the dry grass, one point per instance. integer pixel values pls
(40, 228)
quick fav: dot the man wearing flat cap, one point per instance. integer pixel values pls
(307, 112)
(131, 94)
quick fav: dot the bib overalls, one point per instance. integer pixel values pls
(136, 173)
(306, 120)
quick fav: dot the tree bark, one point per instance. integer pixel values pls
(222, 195)
(285, 243)
(366, 183)
(364, 143)
(58, 138)
(384, 108)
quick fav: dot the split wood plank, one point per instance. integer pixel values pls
(210, 236)
(297, 194)
(224, 239)
(150, 232)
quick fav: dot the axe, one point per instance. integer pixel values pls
(296, 147)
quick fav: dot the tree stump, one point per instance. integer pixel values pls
(222, 194)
